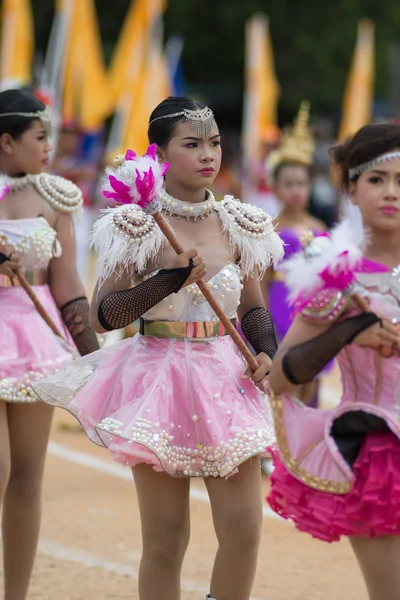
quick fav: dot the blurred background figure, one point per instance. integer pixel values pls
(291, 167)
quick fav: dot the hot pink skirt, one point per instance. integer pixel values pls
(179, 406)
(371, 508)
(29, 350)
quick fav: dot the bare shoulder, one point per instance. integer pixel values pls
(26, 203)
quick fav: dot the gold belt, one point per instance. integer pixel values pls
(183, 329)
(32, 277)
(277, 276)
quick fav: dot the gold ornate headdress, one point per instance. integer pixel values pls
(297, 143)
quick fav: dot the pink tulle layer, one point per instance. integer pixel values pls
(371, 508)
(179, 406)
(29, 350)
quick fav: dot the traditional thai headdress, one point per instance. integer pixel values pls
(45, 116)
(297, 143)
(200, 121)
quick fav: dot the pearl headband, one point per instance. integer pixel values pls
(367, 166)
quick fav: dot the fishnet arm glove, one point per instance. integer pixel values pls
(75, 315)
(120, 309)
(4, 258)
(303, 362)
(259, 330)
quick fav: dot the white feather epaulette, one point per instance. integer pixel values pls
(335, 255)
(251, 235)
(125, 238)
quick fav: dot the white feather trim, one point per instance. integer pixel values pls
(125, 238)
(302, 269)
(251, 235)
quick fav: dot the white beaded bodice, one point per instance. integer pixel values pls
(190, 305)
(33, 240)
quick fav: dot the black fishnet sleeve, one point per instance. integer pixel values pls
(120, 309)
(259, 330)
(4, 258)
(75, 315)
(303, 362)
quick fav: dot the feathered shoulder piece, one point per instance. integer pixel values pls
(251, 234)
(125, 238)
(321, 277)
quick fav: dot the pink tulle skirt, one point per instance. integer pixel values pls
(177, 405)
(371, 508)
(29, 350)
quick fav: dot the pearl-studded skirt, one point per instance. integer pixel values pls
(177, 405)
(29, 350)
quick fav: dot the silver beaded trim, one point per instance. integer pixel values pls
(367, 166)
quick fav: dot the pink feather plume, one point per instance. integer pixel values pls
(329, 262)
(139, 180)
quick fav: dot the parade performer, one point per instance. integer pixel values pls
(290, 167)
(37, 240)
(337, 473)
(174, 402)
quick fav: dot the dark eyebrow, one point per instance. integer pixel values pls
(195, 139)
(41, 132)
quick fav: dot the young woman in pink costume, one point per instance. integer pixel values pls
(338, 471)
(172, 403)
(37, 237)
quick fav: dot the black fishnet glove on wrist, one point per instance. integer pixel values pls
(303, 362)
(120, 309)
(75, 315)
(4, 258)
(258, 328)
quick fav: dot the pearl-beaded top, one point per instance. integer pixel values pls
(33, 240)
(190, 305)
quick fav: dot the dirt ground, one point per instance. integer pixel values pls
(90, 541)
